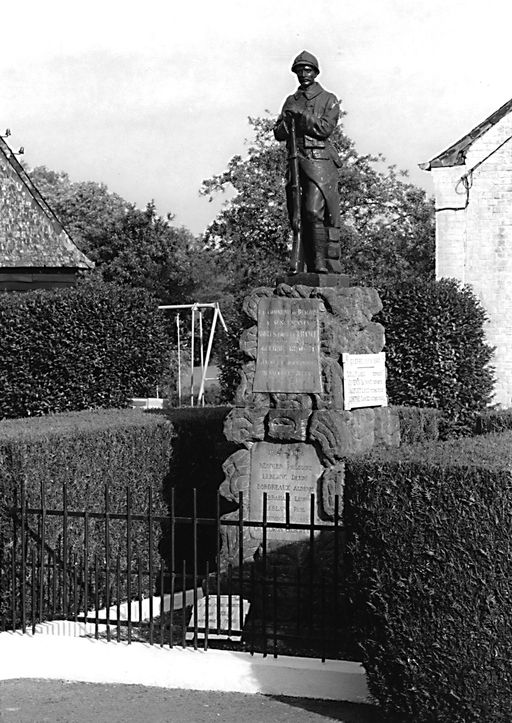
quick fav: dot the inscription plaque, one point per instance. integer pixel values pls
(364, 380)
(288, 357)
(278, 469)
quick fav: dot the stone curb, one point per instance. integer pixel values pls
(96, 661)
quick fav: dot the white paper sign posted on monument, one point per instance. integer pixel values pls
(364, 380)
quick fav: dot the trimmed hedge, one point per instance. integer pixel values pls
(124, 449)
(429, 557)
(96, 345)
(436, 353)
(418, 424)
(493, 420)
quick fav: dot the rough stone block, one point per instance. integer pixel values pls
(245, 425)
(297, 291)
(355, 305)
(237, 469)
(288, 424)
(310, 278)
(250, 303)
(342, 433)
(387, 427)
(332, 382)
(371, 340)
(244, 395)
(249, 342)
(333, 481)
(338, 338)
(286, 400)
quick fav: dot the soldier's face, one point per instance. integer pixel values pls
(306, 75)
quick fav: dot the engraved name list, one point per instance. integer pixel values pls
(288, 358)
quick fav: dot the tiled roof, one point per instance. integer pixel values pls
(31, 235)
(455, 155)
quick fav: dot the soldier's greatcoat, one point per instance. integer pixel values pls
(318, 159)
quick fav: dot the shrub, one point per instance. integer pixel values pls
(96, 345)
(418, 424)
(230, 358)
(429, 582)
(436, 353)
(126, 450)
(493, 420)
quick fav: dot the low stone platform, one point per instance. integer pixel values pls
(310, 278)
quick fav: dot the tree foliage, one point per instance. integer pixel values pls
(436, 351)
(130, 246)
(388, 226)
(388, 223)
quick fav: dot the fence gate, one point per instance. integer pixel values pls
(173, 579)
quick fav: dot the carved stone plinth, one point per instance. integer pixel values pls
(311, 278)
(293, 423)
(290, 415)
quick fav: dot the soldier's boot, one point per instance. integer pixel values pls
(308, 247)
(319, 242)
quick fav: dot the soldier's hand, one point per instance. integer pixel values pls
(295, 110)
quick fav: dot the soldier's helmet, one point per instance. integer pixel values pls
(305, 58)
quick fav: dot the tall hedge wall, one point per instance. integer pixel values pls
(430, 583)
(86, 451)
(436, 355)
(95, 345)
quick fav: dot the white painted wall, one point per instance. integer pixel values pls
(475, 245)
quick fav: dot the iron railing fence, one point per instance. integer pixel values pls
(125, 574)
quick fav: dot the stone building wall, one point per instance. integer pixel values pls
(474, 244)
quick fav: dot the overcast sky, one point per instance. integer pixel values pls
(151, 97)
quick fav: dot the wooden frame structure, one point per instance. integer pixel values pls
(196, 313)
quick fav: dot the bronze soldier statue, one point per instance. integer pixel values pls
(307, 119)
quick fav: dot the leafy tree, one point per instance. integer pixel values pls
(388, 223)
(86, 208)
(130, 246)
(388, 226)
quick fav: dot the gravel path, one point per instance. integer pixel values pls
(45, 701)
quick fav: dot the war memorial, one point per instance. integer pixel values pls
(308, 521)
(313, 385)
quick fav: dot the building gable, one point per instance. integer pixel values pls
(473, 203)
(31, 235)
(456, 154)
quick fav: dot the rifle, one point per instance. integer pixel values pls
(297, 255)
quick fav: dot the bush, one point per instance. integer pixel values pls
(85, 451)
(418, 424)
(96, 345)
(436, 353)
(429, 582)
(227, 348)
(493, 420)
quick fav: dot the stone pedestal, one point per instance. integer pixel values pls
(290, 417)
(312, 278)
(293, 427)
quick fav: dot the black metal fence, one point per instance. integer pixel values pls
(132, 575)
